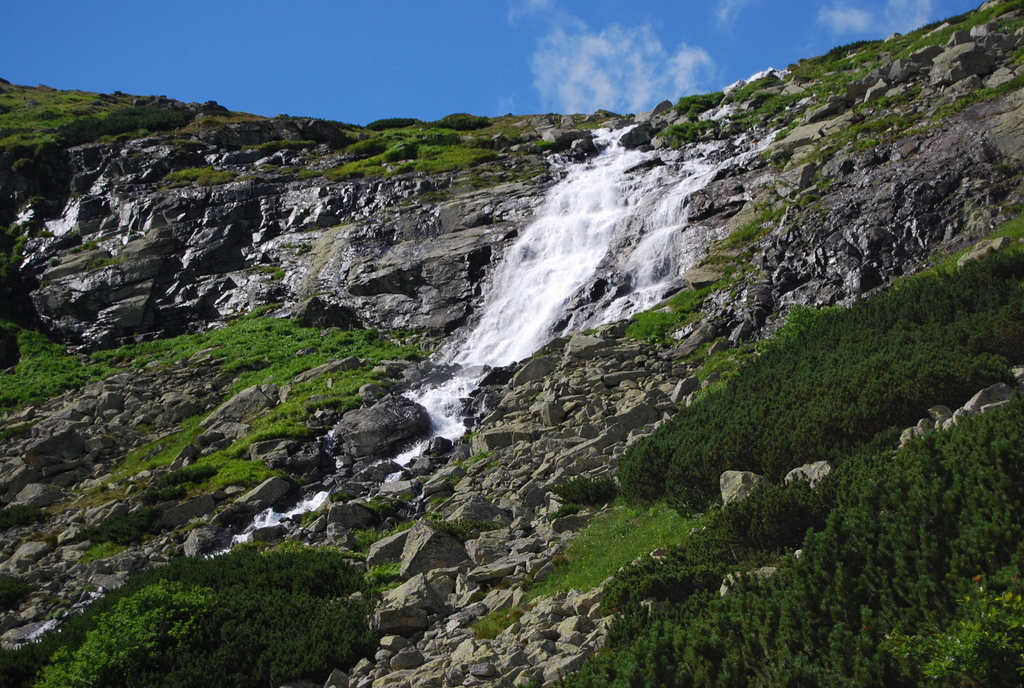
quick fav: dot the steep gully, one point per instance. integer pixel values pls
(615, 227)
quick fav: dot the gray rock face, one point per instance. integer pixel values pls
(737, 485)
(246, 404)
(426, 549)
(811, 472)
(265, 494)
(385, 425)
(206, 540)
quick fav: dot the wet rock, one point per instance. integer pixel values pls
(387, 424)
(206, 540)
(265, 494)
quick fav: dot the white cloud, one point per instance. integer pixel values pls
(522, 8)
(841, 19)
(728, 11)
(897, 15)
(907, 15)
(620, 69)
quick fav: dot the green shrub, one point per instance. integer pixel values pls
(246, 619)
(461, 121)
(587, 491)
(125, 120)
(19, 515)
(126, 529)
(693, 106)
(200, 176)
(183, 476)
(12, 593)
(830, 388)
(392, 123)
(461, 528)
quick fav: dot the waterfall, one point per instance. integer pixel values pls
(616, 212)
(623, 212)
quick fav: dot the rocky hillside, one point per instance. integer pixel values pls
(216, 325)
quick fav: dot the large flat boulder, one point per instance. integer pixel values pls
(386, 425)
(427, 549)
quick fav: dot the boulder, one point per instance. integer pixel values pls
(349, 515)
(639, 135)
(737, 485)
(404, 621)
(584, 346)
(960, 62)
(265, 494)
(698, 338)
(37, 494)
(319, 312)
(60, 445)
(415, 592)
(426, 549)
(535, 370)
(811, 472)
(26, 555)
(988, 398)
(387, 550)
(248, 403)
(180, 514)
(207, 540)
(389, 423)
(982, 249)
(474, 507)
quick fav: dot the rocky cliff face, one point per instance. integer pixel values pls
(866, 179)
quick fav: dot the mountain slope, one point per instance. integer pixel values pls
(242, 323)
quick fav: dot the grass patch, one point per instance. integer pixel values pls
(100, 550)
(611, 541)
(200, 176)
(656, 326)
(490, 626)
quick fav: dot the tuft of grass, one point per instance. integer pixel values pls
(491, 625)
(200, 176)
(100, 550)
(656, 325)
(611, 541)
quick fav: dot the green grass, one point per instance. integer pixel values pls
(101, 550)
(494, 623)
(1013, 229)
(657, 324)
(200, 176)
(612, 541)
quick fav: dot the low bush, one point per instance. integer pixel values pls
(12, 593)
(125, 529)
(461, 121)
(247, 619)
(392, 123)
(587, 491)
(461, 528)
(19, 515)
(838, 380)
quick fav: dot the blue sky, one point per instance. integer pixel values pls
(361, 61)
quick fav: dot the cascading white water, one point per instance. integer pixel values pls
(611, 211)
(555, 256)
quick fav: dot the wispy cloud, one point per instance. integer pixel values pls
(620, 68)
(840, 19)
(522, 8)
(728, 11)
(907, 15)
(897, 15)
